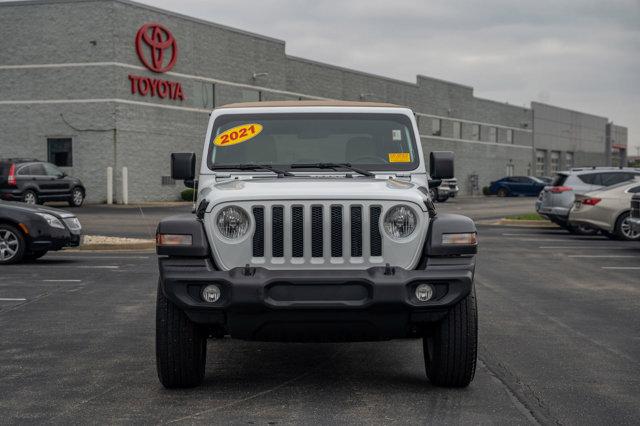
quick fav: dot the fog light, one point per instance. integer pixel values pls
(424, 292)
(211, 293)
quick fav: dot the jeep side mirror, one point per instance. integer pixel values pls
(183, 166)
(441, 165)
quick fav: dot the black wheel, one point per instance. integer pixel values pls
(12, 245)
(581, 229)
(33, 255)
(450, 348)
(433, 193)
(77, 197)
(443, 198)
(29, 197)
(623, 230)
(502, 192)
(181, 346)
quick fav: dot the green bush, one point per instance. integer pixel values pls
(187, 194)
(485, 190)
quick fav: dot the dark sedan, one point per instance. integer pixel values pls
(517, 185)
(28, 232)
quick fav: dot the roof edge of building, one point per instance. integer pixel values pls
(568, 109)
(148, 7)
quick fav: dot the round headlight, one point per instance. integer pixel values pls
(233, 222)
(400, 222)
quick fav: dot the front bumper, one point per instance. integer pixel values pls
(53, 239)
(259, 304)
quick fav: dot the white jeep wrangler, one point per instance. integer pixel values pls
(314, 223)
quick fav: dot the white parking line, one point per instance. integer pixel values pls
(631, 268)
(582, 248)
(98, 267)
(12, 299)
(71, 256)
(62, 281)
(607, 256)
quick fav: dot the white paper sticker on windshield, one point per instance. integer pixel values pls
(396, 135)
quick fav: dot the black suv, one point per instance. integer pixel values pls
(35, 182)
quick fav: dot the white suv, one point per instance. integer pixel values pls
(314, 223)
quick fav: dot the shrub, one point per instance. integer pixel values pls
(187, 194)
(485, 190)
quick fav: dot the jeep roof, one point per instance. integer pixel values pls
(310, 103)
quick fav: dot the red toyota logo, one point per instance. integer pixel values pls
(152, 43)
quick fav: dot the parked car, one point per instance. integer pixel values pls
(28, 232)
(447, 189)
(546, 179)
(36, 182)
(517, 185)
(555, 201)
(608, 210)
(338, 249)
(634, 214)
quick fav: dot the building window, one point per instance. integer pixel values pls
(541, 155)
(436, 127)
(493, 134)
(456, 130)
(555, 161)
(475, 132)
(510, 169)
(509, 135)
(60, 152)
(568, 160)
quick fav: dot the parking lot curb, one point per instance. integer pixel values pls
(106, 243)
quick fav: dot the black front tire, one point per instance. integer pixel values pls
(443, 198)
(30, 197)
(581, 229)
(451, 347)
(502, 192)
(622, 230)
(181, 346)
(12, 245)
(77, 197)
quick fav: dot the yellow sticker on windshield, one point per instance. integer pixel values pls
(238, 134)
(399, 157)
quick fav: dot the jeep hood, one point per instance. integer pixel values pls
(305, 188)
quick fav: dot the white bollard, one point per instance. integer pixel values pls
(125, 186)
(109, 185)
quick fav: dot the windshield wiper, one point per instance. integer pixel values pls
(252, 166)
(331, 166)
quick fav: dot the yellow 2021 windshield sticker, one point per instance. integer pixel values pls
(399, 157)
(238, 134)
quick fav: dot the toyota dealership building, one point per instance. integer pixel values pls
(92, 84)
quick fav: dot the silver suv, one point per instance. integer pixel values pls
(555, 201)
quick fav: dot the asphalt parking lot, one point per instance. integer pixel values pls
(559, 344)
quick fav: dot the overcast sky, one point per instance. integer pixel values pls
(580, 54)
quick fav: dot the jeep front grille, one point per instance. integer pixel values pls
(292, 240)
(317, 234)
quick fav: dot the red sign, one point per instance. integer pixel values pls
(158, 51)
(152, 42)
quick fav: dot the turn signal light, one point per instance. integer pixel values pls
(469, 238)
(559, 189)
(591, 201)
(173, 240)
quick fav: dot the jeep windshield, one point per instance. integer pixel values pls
(367, 141)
